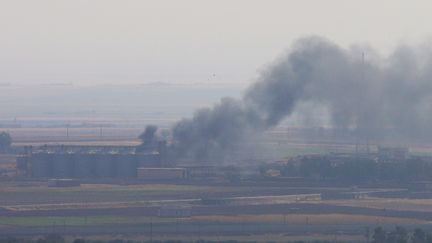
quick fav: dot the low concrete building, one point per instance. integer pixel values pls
(161, 173)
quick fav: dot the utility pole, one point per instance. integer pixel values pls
(367, 234)
(151, 230)
(199, 232)
(359, 143)
(367, 112)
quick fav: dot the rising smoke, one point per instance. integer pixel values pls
(375, 95)
(149, 138)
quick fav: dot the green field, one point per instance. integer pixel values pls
(81, 221)
(86, 193)
(153, 189)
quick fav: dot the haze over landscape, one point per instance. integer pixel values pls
(107, 41)
(215, 121)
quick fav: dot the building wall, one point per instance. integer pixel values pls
(161, 173)
(85, 167)
(41, 166)
(74, 165)
(126, 166)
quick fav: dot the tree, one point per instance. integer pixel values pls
(5, 141)
(51, 238)
(379, 235)
(419, 236)
(399, 235)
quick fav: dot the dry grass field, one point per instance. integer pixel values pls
(421, 205)
(96, 195)
(76, 136)
(34, 197)
(308, 219)
(317, 219)
(80, 221)
(242, 238)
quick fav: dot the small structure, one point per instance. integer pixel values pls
(202, 171)
(63, 183)
(161, 173)
(175, 212)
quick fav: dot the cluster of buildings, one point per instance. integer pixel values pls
(74, 162)
(86, 161)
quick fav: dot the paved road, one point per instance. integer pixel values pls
(311, 208)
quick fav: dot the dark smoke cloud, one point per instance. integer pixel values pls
(215, 132)
(149, 138)
(374, 96)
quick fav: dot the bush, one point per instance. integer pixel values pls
(5, 141)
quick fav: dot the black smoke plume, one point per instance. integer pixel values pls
(149, 138)
(378, 96)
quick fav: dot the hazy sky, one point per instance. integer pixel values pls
(130, 41)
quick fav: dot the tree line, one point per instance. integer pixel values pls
(380, 235)
(355, 169)
(401, 235)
